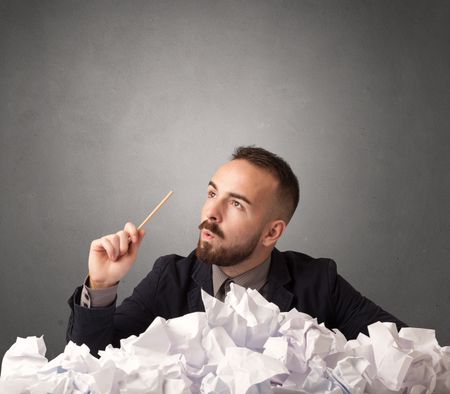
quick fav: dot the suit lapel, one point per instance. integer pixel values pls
(201, 279)
(278, 277)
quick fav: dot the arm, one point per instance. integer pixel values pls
(110, 259)
(98, 327)
(91, 326)
(354, 312)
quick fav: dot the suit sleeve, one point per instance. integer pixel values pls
(99, 327)
(352, 311)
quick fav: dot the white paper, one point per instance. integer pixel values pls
(24, 358)
(242, 368)
(242, 345)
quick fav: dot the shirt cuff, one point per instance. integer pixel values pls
(97, 298)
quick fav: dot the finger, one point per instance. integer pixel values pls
(96, 245)
(108, 247)
(135, 246)
(115, 240)
(123, 242)
(132, 230)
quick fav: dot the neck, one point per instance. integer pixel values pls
(253, 261)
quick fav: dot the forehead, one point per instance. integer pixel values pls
(240, 176)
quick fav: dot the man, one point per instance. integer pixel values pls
(250, 201)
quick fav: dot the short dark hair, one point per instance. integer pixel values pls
(288, 187)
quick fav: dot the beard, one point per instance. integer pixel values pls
(220, 255)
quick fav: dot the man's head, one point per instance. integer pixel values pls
(249, 203)
(288, 190)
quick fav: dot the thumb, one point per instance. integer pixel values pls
(141, 235)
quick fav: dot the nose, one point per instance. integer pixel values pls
(212, 210)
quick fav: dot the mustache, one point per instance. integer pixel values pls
(213, 227)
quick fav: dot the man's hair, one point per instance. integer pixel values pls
(288, 188)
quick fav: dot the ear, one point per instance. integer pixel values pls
(273, 232)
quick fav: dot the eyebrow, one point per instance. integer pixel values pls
(235, 195)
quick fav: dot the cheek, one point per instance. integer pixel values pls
(240, 225)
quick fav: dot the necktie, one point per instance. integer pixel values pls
(224, 289)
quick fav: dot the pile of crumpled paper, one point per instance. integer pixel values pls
(244, 345)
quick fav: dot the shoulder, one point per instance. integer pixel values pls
(301, 260)
(174, 265)
(301, 264)
(170, 271)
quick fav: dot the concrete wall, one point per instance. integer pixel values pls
(107, 105)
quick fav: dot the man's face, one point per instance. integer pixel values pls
(239, 204)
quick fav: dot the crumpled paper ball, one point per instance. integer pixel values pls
(243, 345)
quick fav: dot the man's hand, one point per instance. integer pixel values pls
(112, 256)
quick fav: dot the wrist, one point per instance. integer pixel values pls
(95, 284)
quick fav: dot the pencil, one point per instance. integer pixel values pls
(156, 209)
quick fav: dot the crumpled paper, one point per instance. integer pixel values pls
(242, 345)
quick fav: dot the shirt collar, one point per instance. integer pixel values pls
(254, 278)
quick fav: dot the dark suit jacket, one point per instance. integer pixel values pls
(173, 286)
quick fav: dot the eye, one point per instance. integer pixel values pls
(211, 194)
(236, 204)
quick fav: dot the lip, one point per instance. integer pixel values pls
(207, 235)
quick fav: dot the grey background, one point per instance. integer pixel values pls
(107, 105)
